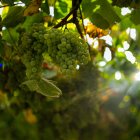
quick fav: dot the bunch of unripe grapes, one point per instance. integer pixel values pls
(31, 48)
(65, 48)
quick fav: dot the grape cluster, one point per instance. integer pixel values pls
(66, 49)
(31, 48)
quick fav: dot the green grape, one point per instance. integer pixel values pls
(64, 43)
(73, 40)
(60, 46)
(71, 67)
(35, 34)
(68, 72)
(64, 50)
(63, 39)
(64, 66)
(68, 46)
(74, 56)
(69, 54)
(46, 36)
(33, 63)
(59, 53)
(52, 35)
(64, 56)
(34, 70)
(49, 42)
(69, 62)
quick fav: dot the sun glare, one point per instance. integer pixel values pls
(102, 63)
(126, 45)
(137, 76)
(130, 57)
(108, 39)
(51, 8)
(132, 32)
(125, 11)
(118, 75)
(107, 54)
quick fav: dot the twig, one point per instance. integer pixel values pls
(64, 20)
(75, 20)
(75, 6)
(81, 16)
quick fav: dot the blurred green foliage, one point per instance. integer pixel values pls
(95, 105)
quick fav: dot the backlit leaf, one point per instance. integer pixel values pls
(32, 8)
(9, 2)
(47, 88)
(13, 16)
(62, 8)
(43, 86)
(100, 12)
(135, 16)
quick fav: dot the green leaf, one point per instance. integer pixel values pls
(1, 48)
(127, 3)
(31, 84)
(13, 17)
(62, 8)
(45, 7)
(7, 52)
(100, 12)
(43, 86)
(26, 2)
(121, 3)
(10, 35)
(36, 18)
(135, 16)
(125, 23)
(47, 88)
(98, 19)
(51, 2)
(135, 4)
(9, 2)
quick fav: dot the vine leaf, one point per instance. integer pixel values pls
(32, 8)
(10, 35)
(99, 13)
(127, 3)
(43, 86)
(31, 84)
(9, 2)
(62, 8)
(12, 16)
(36, 18)
(51, 2)
(135, 16)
